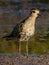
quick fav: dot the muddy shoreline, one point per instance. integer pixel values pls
(23, 60)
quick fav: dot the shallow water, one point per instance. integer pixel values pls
(38, 44)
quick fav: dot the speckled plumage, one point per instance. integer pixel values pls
(25, 29)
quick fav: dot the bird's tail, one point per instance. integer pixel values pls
(7, 37)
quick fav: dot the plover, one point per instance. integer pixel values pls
(24, 30)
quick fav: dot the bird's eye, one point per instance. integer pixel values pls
(33, 11)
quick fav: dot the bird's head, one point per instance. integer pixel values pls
(35, 12)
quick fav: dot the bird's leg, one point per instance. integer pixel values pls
(19, 48)
(27, 49)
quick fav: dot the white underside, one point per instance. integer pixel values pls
(28, 28)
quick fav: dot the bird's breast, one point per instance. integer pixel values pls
(30, 31)
(27, 32)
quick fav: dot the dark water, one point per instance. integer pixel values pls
(9, 16)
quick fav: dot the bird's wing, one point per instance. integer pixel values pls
(16, 32)
(18, 28)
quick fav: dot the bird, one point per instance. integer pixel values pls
(24, 29)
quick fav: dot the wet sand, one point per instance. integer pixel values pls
(23, 60)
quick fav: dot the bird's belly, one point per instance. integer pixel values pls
(27, 34)
(30, 31)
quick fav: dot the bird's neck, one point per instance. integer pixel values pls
(33, 18)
